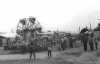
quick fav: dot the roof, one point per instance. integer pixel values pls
(2, 37)
(9, 35)
(46, 33)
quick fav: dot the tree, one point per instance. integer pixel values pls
(97, 28)
(97, 32)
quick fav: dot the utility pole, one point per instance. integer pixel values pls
(98, 19)
(90, 27)
(79, 29)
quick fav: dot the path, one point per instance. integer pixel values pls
(75, 55)
(41, 55)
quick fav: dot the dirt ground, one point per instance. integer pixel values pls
(70, 56)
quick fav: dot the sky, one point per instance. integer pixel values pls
(62, 15)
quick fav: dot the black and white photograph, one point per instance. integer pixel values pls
(49, 31)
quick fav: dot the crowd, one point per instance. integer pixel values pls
(62, 43)
(88, 37)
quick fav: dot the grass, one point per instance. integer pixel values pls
(36, 62)
(56, 60)
(60, 59)
(14, 62)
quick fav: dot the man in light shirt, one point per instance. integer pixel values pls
(49, 51)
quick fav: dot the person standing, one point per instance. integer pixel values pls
(71, 42)
(84, 37)
(32, 50)
(96, 43)
(63, 44)
(91, 41)
(85, 41)
(96, 39)
(49, 51)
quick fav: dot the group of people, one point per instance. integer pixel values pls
(88, 38)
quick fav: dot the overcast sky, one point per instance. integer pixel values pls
(64, 15)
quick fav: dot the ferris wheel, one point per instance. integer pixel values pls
(28, 27)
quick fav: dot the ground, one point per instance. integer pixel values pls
(70, 56)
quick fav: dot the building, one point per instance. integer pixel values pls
(2, 40)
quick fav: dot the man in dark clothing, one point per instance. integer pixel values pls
(84, 30)
(84, 41)
(84, 37)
